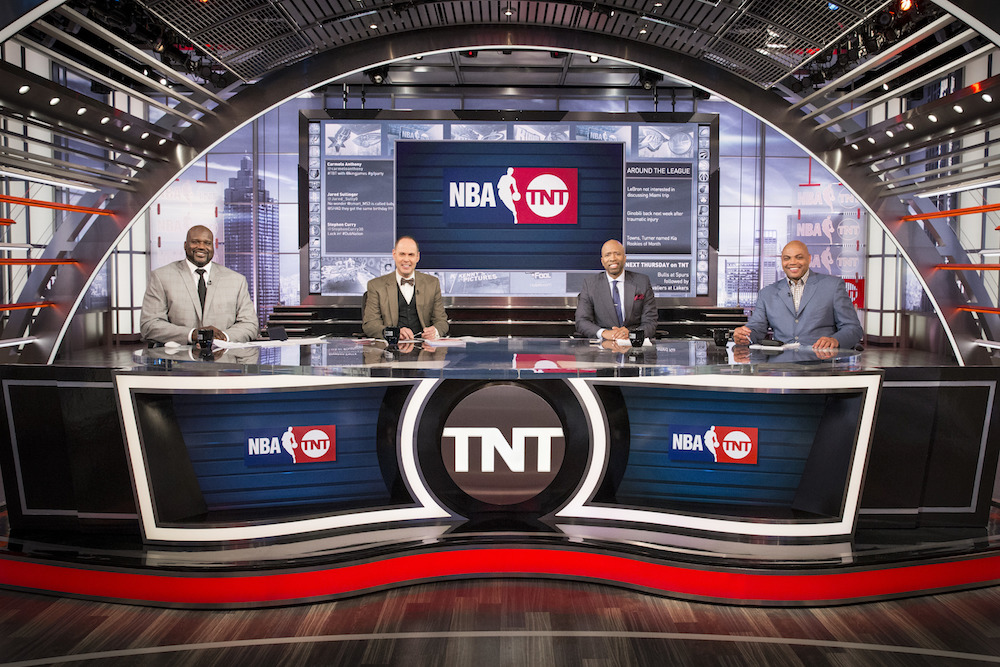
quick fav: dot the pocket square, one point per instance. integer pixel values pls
(639, 297)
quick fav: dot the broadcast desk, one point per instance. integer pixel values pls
(342, 466)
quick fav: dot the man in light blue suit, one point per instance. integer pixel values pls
(804, 307)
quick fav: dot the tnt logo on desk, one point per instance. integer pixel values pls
(718, 444)
(294, 444)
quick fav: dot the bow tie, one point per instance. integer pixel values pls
(406, 281)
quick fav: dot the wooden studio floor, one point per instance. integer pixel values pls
(504, 622)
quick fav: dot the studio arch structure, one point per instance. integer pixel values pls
(207, 69)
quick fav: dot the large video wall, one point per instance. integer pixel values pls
(502, 206)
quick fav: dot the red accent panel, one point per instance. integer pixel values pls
(826, 587)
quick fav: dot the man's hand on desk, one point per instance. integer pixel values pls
(406, 333)
(429, 333)
(741, 335)
(826, 343)
(616, 333)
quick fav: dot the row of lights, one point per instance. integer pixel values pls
(957, 108)
(23, 90)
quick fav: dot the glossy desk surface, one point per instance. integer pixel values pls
(498, 358)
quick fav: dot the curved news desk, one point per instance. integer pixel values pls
(339, 467)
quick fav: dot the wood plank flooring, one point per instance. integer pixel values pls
(504, 622)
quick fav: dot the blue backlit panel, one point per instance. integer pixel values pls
(785, 426)
(215, 428)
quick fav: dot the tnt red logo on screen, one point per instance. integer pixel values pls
(548, 196)
(511, 196)
(292, 444)
(719, 444)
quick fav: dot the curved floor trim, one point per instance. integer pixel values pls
(266, 588)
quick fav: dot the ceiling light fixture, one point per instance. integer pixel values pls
(958, 108)
(932, 118)
(23, 89)
(594, 59)
(987, 98)
(974, 185)
(45, 181)
(909, 126)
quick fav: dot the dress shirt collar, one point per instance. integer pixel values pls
(620, 278)
(803, 279)
(192, 267)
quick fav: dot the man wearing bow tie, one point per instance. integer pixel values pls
(615, 301)
(195, 293)
(405, 298)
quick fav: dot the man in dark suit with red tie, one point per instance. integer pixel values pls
(405, 298)
(616, 301)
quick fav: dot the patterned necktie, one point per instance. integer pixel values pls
(618, 302)
(202, 288)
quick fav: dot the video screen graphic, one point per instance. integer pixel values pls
(510, 208)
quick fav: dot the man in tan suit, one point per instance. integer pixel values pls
(193, 294)
(405, 298)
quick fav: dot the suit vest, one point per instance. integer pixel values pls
(408, 316)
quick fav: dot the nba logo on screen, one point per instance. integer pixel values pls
(511, 196)
(289, 445)
(716, 444)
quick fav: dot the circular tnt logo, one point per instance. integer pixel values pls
(503, 444)
(315, 444)
(737, 445)
(548, 195)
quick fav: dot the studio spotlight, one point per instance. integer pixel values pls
(648, 80)
(378, 75)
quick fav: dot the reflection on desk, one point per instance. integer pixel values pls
(502, 358)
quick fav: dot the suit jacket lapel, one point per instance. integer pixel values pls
(630, 293)
(392, 298)
(785, 295)
(808, 292)
(187, 279)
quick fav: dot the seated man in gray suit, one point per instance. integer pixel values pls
(405, 298)
(192, 294)
(804, 307)
(615, 301)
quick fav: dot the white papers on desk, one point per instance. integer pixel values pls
(775, 348)
(443, 342)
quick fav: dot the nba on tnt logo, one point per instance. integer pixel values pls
(717, 444)
(515, 195)
(292, 444)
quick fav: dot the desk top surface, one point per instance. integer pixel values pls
(497, 358)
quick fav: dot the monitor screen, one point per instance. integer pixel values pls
(502, 206)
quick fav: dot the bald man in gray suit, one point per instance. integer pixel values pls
(172, 310)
